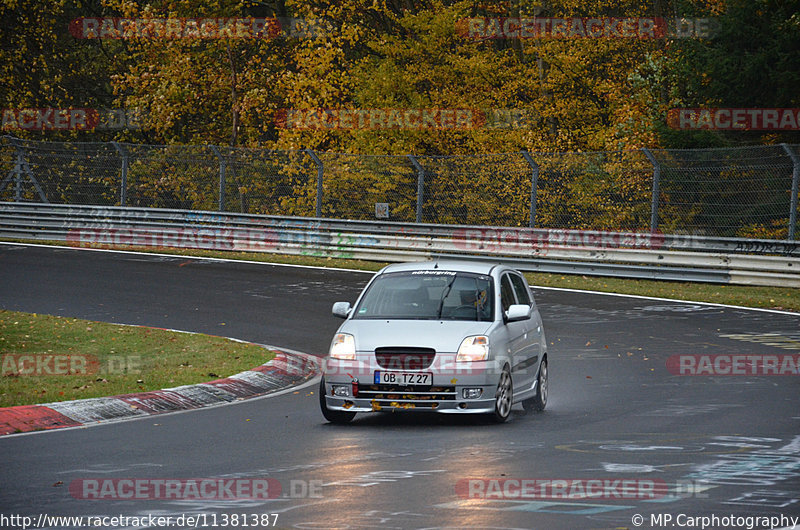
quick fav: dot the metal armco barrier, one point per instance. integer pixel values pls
(631, 255)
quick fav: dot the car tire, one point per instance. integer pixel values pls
(504, 396)
(539, 401)
(333, 416)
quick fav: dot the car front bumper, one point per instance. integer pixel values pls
(444, 395)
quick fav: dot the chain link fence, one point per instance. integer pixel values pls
(368, 186)
(595, 191)
(743, 191)
(66, 173)
(728, 192)
(477, 189)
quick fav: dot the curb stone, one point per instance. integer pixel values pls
(282, 372)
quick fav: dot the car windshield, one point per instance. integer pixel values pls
(428, 295)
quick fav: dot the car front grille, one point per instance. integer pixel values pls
(404, 358)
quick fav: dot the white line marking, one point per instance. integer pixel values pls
(791, 313)
(180, 256)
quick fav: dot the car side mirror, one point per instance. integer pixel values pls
(518, 312)
(341, 309)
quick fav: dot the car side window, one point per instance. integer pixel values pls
(506, 292)
(523, 294)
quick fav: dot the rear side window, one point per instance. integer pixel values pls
(523, 294)
(506, 292)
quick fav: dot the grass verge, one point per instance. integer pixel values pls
(107, 359)
(780, 298)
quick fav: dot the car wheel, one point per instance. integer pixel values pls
(333, 416)
(538, 402)
(504, 396)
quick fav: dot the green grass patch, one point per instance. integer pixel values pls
(107, 359)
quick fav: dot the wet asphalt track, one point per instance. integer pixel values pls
(725, 446)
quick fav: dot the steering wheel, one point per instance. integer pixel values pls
(463, 308)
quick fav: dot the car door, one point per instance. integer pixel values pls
(528, 342)
(516, 331)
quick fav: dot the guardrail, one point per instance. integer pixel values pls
(596, 253)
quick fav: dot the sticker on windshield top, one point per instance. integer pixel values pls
(436, 273)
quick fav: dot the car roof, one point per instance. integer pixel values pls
(476, 267)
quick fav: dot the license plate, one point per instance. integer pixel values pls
(403, 378)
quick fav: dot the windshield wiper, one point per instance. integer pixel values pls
(445, 292)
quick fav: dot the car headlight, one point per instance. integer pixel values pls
(474, 348)
(343, 347)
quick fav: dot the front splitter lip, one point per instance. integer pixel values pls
(473, 406)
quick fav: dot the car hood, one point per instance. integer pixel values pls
(442, 335)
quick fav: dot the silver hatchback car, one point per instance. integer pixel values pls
(440, 336)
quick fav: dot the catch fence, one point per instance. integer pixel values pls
(742, 192)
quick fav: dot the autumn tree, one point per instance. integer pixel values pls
(206, 83)
(42, 65)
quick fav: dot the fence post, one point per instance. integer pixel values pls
(534, 184)
(21, 166)
(420, 186)
(123, 187)
(320, 174)
(656, 189)
(221, 206)
(18, 173)
(795, 189)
